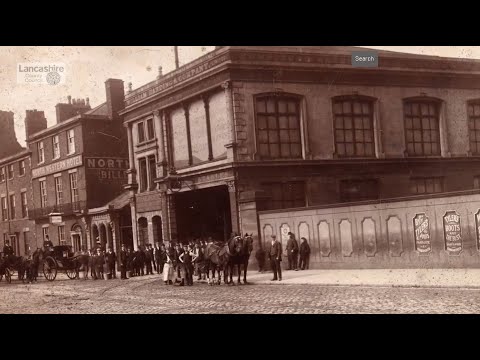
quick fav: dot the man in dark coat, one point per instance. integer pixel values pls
(292, 252)
(304, 254)
(123, 263)
(141, 260)
(111, 259)
(161, 258)
(131, 261)
(275, 256)
(148, 260)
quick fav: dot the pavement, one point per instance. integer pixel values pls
(300, 292)
(464, 278)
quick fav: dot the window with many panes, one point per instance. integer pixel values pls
(58, 190)
(74, 187)
(71, 141)
(56, 146)
(10, 171)
(426, 185)
(12, 206)
(359, 190)
(152, 167)
(61, 235)
(474, 126)
(141, 132)
(40, 152)
(4, 209)
(143, 174)
(21, 167)
(285, 195)
(422, 127)
(23, 198)
(43, 193)
(278, 127)
(2, 174)
(353, 123)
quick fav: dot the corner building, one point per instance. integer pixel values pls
(243, 130)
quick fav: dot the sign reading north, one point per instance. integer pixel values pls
(453, 232)
(108, 168)
(423, 243)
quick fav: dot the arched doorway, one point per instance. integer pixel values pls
(95, 237)
(142, 231)
(77, 238)
(157, 229)
(103, 235)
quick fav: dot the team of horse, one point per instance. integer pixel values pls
(224, 258)
(218, 258)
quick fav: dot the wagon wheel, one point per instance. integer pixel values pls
(8, 275)
(72, 273)
(50, 268)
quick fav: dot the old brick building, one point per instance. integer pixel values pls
(245, 129)
(15, 190)
(78, 164)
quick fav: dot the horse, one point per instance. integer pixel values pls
(16, 263)
(216, 258)
(82, 263)
(240, 254)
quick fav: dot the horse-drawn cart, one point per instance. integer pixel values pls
(61, 258)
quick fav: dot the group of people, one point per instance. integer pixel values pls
(178, 263)
(275, 251)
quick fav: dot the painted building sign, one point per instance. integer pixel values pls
(57, 166)
(453, 232)
(423, 243)
(106, 169)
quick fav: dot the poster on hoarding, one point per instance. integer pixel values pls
(423, 243)
(452, 232)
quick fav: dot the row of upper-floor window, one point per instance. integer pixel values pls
(8, 206)
(278, 126)
(56, 152)
(279, 134)
(8, 172)
(58, 187)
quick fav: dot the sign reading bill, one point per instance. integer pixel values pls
(453, 232)
(423, 243)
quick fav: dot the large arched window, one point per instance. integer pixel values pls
(422, 126)
(353, 124)
(278, 129)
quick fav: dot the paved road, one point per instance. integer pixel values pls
(148, 295)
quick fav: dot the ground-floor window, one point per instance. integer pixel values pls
(143, 231)
(285, 195)
(426, 185)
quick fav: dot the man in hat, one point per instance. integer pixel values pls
(111, 259)
(292, 252)
(275, 256)
(123, 263)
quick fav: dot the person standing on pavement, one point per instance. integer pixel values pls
(131, 262)
(292, 252)
(123, 263)
(148, 260)
(304, 254)
(111, 258)
(168, 270)
(177, 263)
(275, 256)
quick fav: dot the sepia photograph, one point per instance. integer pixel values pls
(239, 179)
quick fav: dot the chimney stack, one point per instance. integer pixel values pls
(69, 99)
(8, 140)
(35, 122)
(115, 94)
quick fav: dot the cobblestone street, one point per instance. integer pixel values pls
(148, 295)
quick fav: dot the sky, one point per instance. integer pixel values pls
(88, 67)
